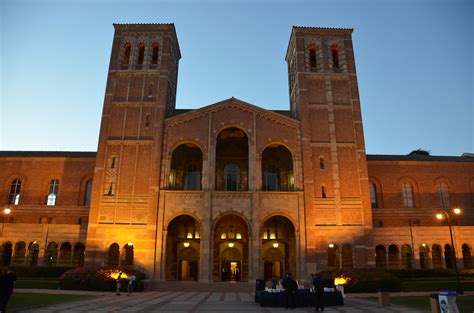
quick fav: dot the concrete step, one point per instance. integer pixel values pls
(187, 286)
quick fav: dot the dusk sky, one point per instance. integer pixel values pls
(414, 63)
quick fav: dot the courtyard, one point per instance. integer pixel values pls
(212, 301)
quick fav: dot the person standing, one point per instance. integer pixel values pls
(117, 292)
(131, 284)
(290, 289)
(319, 292)
(7, 283)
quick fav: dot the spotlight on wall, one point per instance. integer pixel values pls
(457, 211)
(423, 244)
(439, 216)
(230, 244)
(130, 244)
(7, 211)
(331, 245)
(186, 244)
(275, 245)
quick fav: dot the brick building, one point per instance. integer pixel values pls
(232, 191)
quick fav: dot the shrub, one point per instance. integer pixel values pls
(366, 280)
(97, 279)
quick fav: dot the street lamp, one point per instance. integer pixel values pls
(6, 212)
(441, 215)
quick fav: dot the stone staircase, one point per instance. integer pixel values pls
(187, 286)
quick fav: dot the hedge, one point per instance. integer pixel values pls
(366, 280)
(97, 279)
(38, 271)
(428, 273)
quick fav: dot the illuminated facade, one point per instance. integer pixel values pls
(232, 191)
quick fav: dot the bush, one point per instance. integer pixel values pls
(39, 271)
(366, 280)
(430, 273)
(97, 279)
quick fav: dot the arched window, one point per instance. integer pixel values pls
(231, 177)
(321, 164)
(186, 168)
(335, 58)
(15, 189)
(312, 57)
(19, 256)
(232, 160)
(373, 195)
(443, 191)
(126, 53)
(53, 192)
(277, 169)
(113, 257)
(88, 193)
(407, 193)
(7, 250)
(154, 56)
(347, 256)
(33, 253)
(141, 52)
(424, 256)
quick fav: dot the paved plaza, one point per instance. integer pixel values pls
(181, 302)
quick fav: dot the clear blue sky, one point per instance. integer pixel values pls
(414, 62)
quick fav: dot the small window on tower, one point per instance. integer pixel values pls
(147, 120)
(126, 53)
(141, 52)
(156, 50)
(112, 164)
(321, 163)
(312, 57)
(150, 91)
(335, 58)
(323, 192)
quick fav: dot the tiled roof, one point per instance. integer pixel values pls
(74, 154)
(439, 158)
(322, 28)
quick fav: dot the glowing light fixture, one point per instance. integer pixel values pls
(186, 244)
(439, 216)
(275, 245)
(230, 244)
(7, 211)
(423, 244)
(189, 236)
(129, 244)
(223, 236)
(331, 245)
(238, 236)
(457, 211)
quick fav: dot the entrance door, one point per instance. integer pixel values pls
(188, 270)
(231, 271)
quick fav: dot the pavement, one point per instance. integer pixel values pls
(208, 301)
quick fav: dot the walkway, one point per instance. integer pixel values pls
(187, 302)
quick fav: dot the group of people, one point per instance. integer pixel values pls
(291, 287)
(131, 284)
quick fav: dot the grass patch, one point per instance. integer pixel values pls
(37, 283)
(465, 303)
(25, 301)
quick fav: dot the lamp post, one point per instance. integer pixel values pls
(441, 215)
(6, 212)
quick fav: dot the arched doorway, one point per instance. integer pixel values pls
(78, 255)
(346, 256)
(436, 255)
(20, 251)
(127, 256)
(466, 256)
(231, 244)
(113, 255)
(424, 256)
(380, 257)
(449, 258)
(33, 253)
(65, 253)
(277, 169)
(7, 250)
(232, 160)
(393, 262)
(186, 168)
(183, 249)
(334, 256)
(406, 257)
(278, 247)
(52, 254)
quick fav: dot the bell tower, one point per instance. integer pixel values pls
(324, 97)
(140, 93)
